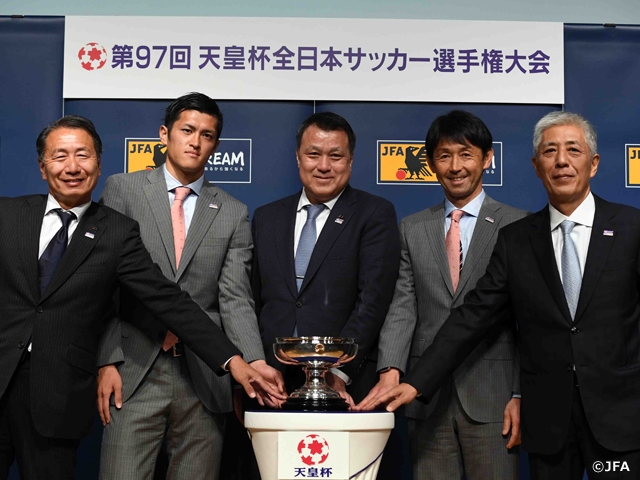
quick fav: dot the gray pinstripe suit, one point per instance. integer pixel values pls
(214, 270)
(484, 383)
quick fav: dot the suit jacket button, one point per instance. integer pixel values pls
(569, 367)
(299, 304)
(39, 309)
(574, 330)
(20, 345)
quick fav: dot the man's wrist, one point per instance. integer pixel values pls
(390, 372)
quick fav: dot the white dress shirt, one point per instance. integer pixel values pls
(51, 222)
(581, 233)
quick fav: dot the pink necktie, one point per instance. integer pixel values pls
(454, 248)
(179, 229)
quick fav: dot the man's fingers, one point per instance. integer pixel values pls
(366, 400)
(246, 384)
(268, 388)
(104, 416)
(393, 406)
(117, 391)
(280, 383)
(515, 438)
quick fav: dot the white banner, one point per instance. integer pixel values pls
(314, 59)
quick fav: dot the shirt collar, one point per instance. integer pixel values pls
(304, 201)
(583, 215)
(79, 210)
(172, 183)
(472, 208)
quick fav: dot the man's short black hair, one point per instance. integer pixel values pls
(69, 121)
(328, 122)
(193, 101)
(460, 127)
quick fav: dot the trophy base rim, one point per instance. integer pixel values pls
(316, 405)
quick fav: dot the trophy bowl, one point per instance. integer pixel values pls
(316, 355)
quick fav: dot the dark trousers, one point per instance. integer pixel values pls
(582, 451)
(38, 457)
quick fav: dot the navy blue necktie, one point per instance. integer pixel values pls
(52, 255)
(307, 242)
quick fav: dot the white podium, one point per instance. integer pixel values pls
(368, 434)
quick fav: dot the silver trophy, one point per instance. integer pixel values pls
(316, 355)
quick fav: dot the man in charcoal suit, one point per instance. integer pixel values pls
(461, 429)
(165, 389)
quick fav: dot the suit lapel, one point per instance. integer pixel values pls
(30, 247)
(481, 236)
(203, 217)
(599, 248)
(79, 247)
(157, 197)
(434, 227)
(344, 208)
(543, 249)
(283, 228)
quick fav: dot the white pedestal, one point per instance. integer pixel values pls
(368, 434)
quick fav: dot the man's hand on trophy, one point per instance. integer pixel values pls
(387, 381)
(274, 377)
(253, 382)
(396, 397)
(339, 386)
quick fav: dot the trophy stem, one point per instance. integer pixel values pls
(315, 395)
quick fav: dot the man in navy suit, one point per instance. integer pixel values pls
(347, 285)
(571, 276)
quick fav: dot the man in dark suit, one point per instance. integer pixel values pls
(571, 275)
(57, 299)
(344, 285)
(460, 431)
(163, 388)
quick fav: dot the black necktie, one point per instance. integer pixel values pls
(53, 253)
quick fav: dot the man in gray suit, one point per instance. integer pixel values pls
(159, 385)
(445, 249)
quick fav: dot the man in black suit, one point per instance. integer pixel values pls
(58, 298)
(571, 274)
(346, 287)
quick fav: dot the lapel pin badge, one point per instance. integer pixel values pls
(89, 235)
(608, 233)
(489, 219)
(213, 205)
(340, 219)
(95, 229)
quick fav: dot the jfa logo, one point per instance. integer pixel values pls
(632, 153)
(610, 466)
(231, 163)
(401, 162)
(405, 162)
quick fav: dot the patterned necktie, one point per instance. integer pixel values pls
(571, 275)
(307, 242)
(52, 255)
(179, 235)
(454, 248)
